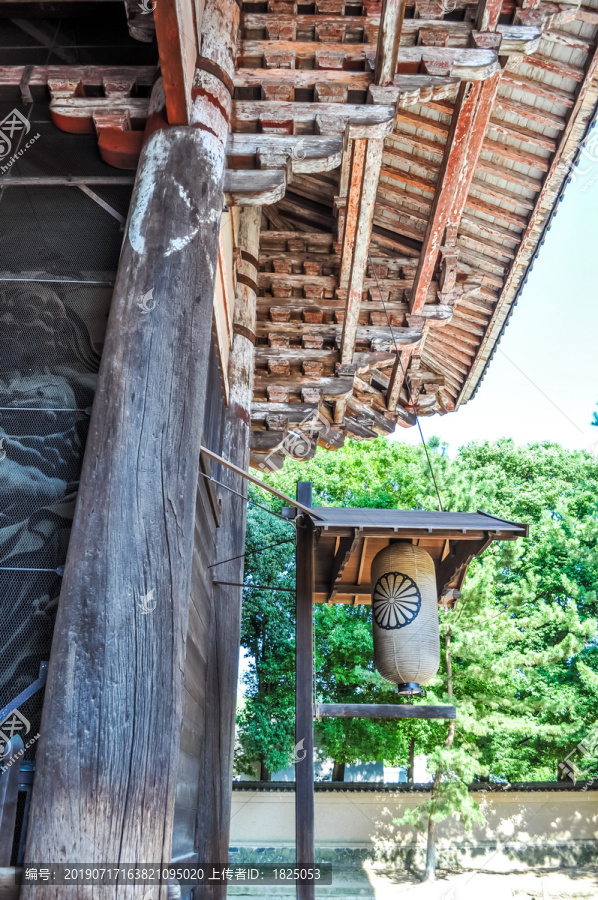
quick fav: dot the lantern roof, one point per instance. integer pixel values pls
(349, 539)
(420, 521)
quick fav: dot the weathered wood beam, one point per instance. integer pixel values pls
(471, 64)
(327, 118)
(538, 88)
(475, 143)
(254, 187)
(368, 23)
(241, 188)
(178, 47)
(87, 76)
(300, 78)
(410, 89)
(487, 15)
(546, 15)
(130, 540)
(77, 114)
(212, 88)
(380, 422)
(293, 412)
(392, 14)
(329, 357)
(533, 113)
(406, 89)
(348, 206)
(452, 163)
(383, 711)
(305, 153)
(216, 772)
(383, 335)
(329, 388)
(360, 245)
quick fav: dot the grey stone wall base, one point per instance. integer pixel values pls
(493, 857)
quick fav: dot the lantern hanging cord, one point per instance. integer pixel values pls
(247, 499)
(294, 504)
(251, 552)
(257, 587)
(407, 385)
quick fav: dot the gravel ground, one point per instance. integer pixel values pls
(380, 884)
(538, 884)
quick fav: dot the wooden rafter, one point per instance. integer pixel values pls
(453, 159)
(443, 219)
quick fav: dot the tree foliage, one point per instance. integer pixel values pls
(524, 650)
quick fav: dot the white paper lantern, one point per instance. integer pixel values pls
(405, 615)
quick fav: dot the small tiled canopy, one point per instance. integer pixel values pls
(349, 539)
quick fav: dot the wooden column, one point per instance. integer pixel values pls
(108, 753)
(216, 774)
(304, 715)
(389, 38)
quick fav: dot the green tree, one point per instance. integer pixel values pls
(522, 642)
(266, 721)
(344, 673)
(526, 625)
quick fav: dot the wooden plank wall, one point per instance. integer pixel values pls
(206, 523)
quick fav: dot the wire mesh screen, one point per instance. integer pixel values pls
(59, 231)
(59, 252)
(59, 249)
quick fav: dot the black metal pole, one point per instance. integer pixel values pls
(304, 722)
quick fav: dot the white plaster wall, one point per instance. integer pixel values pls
(351, 819)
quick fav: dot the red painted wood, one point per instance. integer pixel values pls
(171, 64)
(73, 124)
(447, 184)
(120, 149)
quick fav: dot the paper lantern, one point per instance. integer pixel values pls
(405, 616)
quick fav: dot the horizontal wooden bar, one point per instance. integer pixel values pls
(384, 711)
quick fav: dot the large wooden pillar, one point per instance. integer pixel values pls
(108, 753)
(214, 805)
(304, 716)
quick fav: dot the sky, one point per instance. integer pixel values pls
(552, 337)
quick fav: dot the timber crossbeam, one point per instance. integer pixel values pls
(418, 148)
(382, 711)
